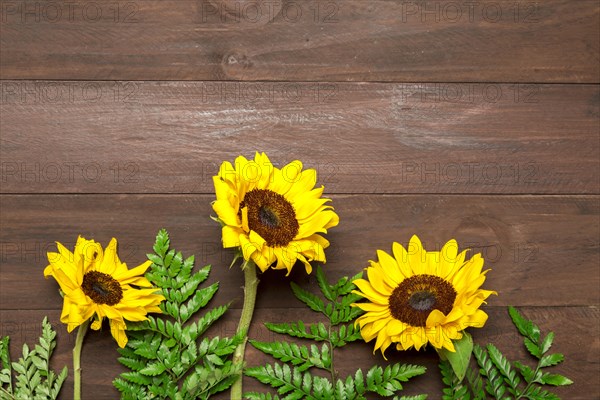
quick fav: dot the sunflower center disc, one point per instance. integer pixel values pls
(268, 217)
(414, 299)
(271, 216)
(422, 301)
(102, 288)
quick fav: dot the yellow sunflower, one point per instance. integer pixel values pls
(96, 284)
(418, 297)
(271, 214)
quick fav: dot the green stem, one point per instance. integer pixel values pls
(332, 368)
(250, 286)
(81, 331)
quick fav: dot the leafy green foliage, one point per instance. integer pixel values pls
(500, 378)
(294, 378)
(33, 377)
(167, 355)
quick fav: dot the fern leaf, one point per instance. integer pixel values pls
(495, 384)
(288, 381)
(300, 356)
(387, 382)
(298, 329)
(327, 290)
(314, 302)
(167, 356)
(504, 367)
(526, 328)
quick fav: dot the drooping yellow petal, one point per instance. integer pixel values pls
(97, 285)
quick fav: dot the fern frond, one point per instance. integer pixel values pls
(294, 378)
(166, 355)
(34, 378)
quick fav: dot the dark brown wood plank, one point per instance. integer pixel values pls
(531, 243)
(156, 137)
(575, 329)
(350, 40)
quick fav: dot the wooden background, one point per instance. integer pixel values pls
(475, 121)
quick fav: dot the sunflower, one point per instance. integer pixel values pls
(96, 284)
(271, 214)
(418, 297)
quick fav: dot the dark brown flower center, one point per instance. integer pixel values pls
(271, 216)
(102, 288)
(414, 299)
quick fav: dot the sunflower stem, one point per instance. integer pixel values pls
(81, 331)
(250, 286)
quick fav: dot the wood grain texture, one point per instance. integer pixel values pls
(531, 243)
(478, 121)
(578, 339)
(350, 40)
(157, 137)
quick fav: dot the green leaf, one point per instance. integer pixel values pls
(551, 359)
(495, 385)
(533, 348)
(459, 359)
(33, 377)
(315, 303)
(504, 367)
(299, 356)
(294, 379)
(166, 355)
(288, 381)
(526, 328)
(556, 380)
(386, 382)
(153, 369)
(547, 342)
(326, 289)
(298, 329)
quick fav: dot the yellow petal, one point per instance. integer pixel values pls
(307, 181)
(432, 263)
(416, 255)
(401, 256)
(110, 261)
(117, 329)
(226, 212)
(266, 170)
(231, 236)
(390, 267)
(435, 318)
(370, 293)
(378, 282)
(130, 276)
(370, 306)
(395, 327)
